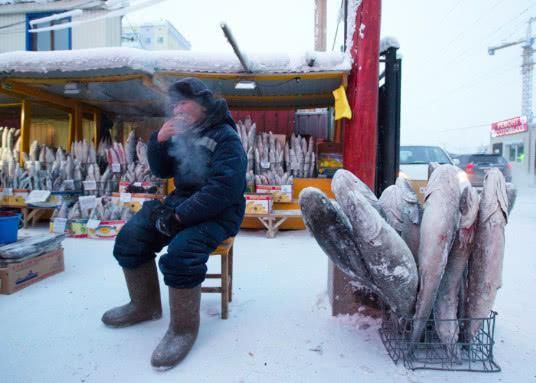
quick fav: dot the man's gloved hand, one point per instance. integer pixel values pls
(166, 221)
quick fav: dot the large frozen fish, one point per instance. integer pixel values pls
(485, 263)
(511, 193)
(402, 211)
(438, 229)
(333, 232)
(343, 176)
(447, 302)
(385, 254)
(411, 214)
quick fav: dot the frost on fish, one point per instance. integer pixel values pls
(511, 193)
(438, 229)
(402, 211)
(447, 302)
(352, 182)
(385, 254)
(486, 261)
(333, 232)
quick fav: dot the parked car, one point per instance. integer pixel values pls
(475, 165)
(414, 160)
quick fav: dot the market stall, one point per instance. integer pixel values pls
(60, 119)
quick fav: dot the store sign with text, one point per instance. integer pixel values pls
(510, 126)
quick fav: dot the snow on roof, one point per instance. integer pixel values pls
(389, 42)
(5, 2)
(83, 60)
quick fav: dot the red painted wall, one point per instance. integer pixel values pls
(276, 121)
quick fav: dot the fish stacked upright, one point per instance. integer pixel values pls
(447, 303)
(360, 242)
(438, 230)
(456, 234)
(486, 262)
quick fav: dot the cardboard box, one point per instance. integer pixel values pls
(16, 276)
(135, 200)
(106, 230)
(258, 203)
(280, 193)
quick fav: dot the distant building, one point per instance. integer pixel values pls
(15, 17)
(157, 35)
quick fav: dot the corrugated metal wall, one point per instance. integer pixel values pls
(13, 38)
(275, 121)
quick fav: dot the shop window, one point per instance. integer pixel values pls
(160, 40)
(512, 153)
(50, 40)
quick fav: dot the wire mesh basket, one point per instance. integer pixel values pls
(431, 353)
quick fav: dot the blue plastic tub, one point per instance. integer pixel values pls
(9, 226)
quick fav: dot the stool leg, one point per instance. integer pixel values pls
(224, 286)
(231, 274)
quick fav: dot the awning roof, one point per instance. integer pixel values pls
(133, 82)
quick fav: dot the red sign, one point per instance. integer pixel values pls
(511, 126)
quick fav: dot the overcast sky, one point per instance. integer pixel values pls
(452, 89)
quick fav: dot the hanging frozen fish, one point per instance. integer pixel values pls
(447, 302)
(486, 260)
(385, 254)
(438, 230)
(333, 232)
(343, 176)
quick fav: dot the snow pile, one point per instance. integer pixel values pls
(178, 60)
(389, 42)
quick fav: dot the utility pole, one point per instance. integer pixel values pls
(527, 67)
(320, 25)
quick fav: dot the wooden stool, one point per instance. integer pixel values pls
(225, 250)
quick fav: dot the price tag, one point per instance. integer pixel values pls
(93, 223)
(59, 225)
(37, 196)
(265, 164)
(90, 185)
(8, 191)
(116, 167)
(125, 197)
(87, 202)
(68, 185)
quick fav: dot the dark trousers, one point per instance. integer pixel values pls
(184, 264)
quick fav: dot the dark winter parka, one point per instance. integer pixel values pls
(208, 164)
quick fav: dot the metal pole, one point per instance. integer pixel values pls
(236, 50)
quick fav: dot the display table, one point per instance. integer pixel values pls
(30, 213)
(274, 220)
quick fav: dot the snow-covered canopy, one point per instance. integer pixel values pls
(171, 60)
(135, 81)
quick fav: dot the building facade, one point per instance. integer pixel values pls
(158, 35)
(15, 17)
(513, 139)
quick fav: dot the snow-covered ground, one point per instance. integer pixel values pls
(279, 328)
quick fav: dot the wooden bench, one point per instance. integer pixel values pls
(225, 250)
(275, 219)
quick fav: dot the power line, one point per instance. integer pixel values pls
(465, 127)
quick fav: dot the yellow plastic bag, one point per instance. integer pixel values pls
(342, 108)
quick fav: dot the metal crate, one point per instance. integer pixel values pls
(432, 354)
